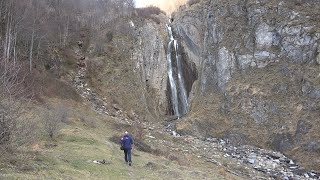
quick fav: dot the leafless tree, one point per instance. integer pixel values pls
(53, 119)
(31, 34)
(14, 94)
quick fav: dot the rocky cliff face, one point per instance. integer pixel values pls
(150, 59)
(150, 63)
(258, 69)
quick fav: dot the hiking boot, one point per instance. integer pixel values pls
(129, 163)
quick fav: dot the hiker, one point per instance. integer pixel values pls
(126, 146)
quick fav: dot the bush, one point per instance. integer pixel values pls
(191, 2)
(155, 19)
(89, 122)
(149, 12)
(53, 120)
(109, 36)
(14, 94)
(5, 126)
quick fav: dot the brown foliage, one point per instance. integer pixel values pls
(149, 13)
(191, 2)
(14, 94)
(53, 120)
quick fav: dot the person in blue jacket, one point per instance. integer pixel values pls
(126, 143)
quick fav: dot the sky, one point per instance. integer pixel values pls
(166, 5)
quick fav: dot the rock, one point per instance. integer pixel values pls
(175, 134)
(280, 88)
(264, 35)
(276, 161)
(80, 43)
(251, 161)
(318, 56)
(236, 139)
(116, 107)
(152, 137)
(225, 64)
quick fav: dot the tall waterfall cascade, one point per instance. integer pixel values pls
(179, 97)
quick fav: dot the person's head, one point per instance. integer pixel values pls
(126, 133)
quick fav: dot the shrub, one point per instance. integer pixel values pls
(53, 120)
(109, 36)
(149, 12)
(192, 2)
(14, 94)
(89, 122)
(155, 19)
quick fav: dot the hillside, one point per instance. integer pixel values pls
(88, 137)
(220, 90)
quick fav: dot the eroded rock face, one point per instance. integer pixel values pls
(149, 58)
(258, 62)
(238, 35)
(150, 63)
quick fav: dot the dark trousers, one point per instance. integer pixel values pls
(127, 155)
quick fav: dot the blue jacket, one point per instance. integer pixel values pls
(127, 141)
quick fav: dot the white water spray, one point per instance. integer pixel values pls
(183, 93)
(173, 87)
(179, 97)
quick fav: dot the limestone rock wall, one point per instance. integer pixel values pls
(258, 69)
(222, 37)
(149, 58)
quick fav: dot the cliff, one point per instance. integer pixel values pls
(258, 69)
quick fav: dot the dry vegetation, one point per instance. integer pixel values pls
(14, 96)
(150, 13)
(74, 148)
(36, 64)
(192, 2)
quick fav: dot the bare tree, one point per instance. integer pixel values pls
(53, 119)
(13, 95)
(31, 34)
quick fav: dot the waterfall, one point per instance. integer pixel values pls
(183, 93)
(179, 98)
(173, 87)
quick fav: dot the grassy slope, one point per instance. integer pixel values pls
(78, 144)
